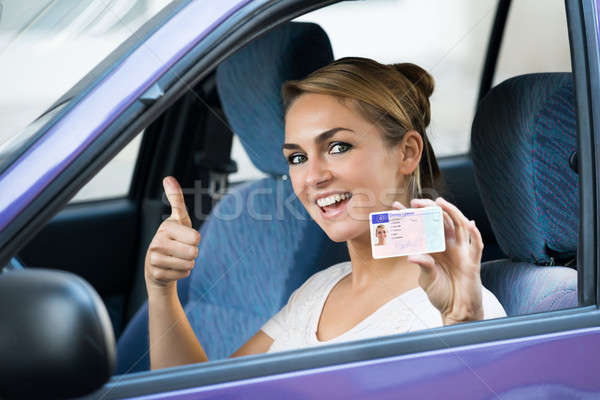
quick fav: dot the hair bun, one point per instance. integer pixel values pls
(417, 75)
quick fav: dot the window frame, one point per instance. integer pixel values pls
(585, 61)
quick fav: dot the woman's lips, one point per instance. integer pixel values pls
(332, 211)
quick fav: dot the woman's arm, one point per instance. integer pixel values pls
(170, 257)
(172, 340)
(257, 344)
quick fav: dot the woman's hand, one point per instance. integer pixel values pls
(174, 248)
(451, 278)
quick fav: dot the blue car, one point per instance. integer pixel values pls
(195, 92)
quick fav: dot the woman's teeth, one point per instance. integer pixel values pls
(327, 201)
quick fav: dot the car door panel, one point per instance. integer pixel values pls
(95, 240)
(547, 356)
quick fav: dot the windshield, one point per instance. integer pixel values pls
(47, 46)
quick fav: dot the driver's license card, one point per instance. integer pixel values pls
(409, 231)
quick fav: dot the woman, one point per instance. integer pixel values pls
(380, 234)
(355, 142)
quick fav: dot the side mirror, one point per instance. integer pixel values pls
(56, 339)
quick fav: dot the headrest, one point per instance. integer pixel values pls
(249, 85)
(522, 137)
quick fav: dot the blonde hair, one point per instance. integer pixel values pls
(393, 97)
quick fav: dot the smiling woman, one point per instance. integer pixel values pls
(355, 143)
(380, 159)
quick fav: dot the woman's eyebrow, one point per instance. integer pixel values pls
(322, 137)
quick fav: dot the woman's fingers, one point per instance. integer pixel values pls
(169, 262)
(476, 240)
(175, 197)
(420, 203)
(180, 233)
(460, 221)
(174, 248)
(165, 275)
(398, 206)
(449, 231)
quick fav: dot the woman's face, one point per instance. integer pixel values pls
(340, 167)
(381, 234)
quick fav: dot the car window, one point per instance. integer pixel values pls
(535, 40)
(114, 179)
(47, 46)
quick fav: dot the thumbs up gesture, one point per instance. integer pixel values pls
(174, 248)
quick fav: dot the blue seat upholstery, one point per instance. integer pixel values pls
(259, 244)
(523, 135)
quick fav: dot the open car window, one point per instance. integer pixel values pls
(451, 44)
(452, 50)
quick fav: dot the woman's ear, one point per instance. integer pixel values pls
(411, 149)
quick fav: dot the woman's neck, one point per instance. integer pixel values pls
(368, 272)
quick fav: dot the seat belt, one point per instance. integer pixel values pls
(213, 161)
(216, 155)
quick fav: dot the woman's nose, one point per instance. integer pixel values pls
(318, 174)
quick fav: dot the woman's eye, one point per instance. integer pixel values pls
(296, 158)
(339, 147)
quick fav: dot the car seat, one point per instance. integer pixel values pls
(523, 136)
(259, 244)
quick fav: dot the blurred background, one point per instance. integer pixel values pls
(46, 46)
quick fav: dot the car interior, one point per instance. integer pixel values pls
(518, 182)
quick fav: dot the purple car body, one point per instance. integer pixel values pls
(511, 369)
(561, 364)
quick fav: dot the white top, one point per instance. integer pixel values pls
(295, 325)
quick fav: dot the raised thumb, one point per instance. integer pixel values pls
(175, 197)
